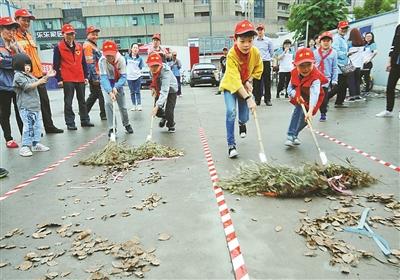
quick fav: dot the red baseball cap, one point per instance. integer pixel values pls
(110, 48)
(91, 29)
(343, 24)
(7, 21)
(154, 59)
(260, 26)
(23, 13)
(67, 28)
(157, 36)
(244, 26)
(304, 55)
(326, 34)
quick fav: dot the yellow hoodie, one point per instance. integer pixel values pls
(231, 80)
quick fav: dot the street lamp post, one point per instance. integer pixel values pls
(145, 24)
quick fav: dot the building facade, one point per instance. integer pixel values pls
(134, 21)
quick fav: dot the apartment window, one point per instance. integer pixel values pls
(67, 5)
(175, 1)
(202, 14)
(31, 6)
(49, 5)
(134, 21)
(282, 20)
(259, 8)
(47, 24)
(168, 15)
(204, 2)
(283, 6)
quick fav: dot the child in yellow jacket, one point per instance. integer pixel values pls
(243, 63)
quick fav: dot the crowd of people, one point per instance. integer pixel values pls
(309, 77)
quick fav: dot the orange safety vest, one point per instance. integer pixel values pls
(28, 45)
(88, 48)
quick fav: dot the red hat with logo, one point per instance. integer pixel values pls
(67, 28)
(7, 21)
(91, 29)
(326, 34)
(154, 59)
(243, 27)
(260, 26)
(23, 13)
(110, 48)
(343, 24)
(157, 36)
(304, 55)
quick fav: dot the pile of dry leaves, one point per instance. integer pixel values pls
(321, 233)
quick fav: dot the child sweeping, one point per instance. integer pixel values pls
(243, 63)
(28, 102)
(305, 88)
(112, 68)
(164, 87)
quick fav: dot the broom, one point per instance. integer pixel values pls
(261, 154)
(150, 135)
(322, 155)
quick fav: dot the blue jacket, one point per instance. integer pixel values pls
(341, 47)
(330, 67)
(6, 70)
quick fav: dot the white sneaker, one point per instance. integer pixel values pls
(25, 151)
(296, 141)
(139, 107)
(384, 114)
(133, 108)
(232, 152)
(290, 141)
(40, 148)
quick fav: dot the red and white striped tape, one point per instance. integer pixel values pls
(238, 264)
(333, 139)
(48, 169)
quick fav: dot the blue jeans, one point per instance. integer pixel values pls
(120, 102)
(230, 104)
(134, 87)
(32, 126)
(297, 123)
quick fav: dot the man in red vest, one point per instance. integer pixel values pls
(70, 64)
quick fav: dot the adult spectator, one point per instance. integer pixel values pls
(134, 66)
(70, 64)
(28, 45)
(312, 44)
(222, 65)
(370, 51)
(264, 45)
(156, 47)
(8, 49)
(356, 56)
(393, 68)
(341, 48)
(285, 56)
(92, 56)
(176, 66)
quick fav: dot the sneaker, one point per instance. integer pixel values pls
(359, 98)
(129, 129)
(268, 103)
(384, 114)
(322, 118)
(139, 107)
(103, 118)
(171, 129)
(87, 124)
(289, 141)
(242, 130)
(341, 106)
(232, 152)
(71, 127)
(40, 148)
(3, 172)
(54, 130)
(111, 131)
(350, 99)
(25, 151)
(162, 123)
(296, 141)
(133, 108)
(12, 144)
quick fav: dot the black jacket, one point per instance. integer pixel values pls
(395, 49)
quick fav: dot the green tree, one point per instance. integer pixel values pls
(374, 7)
(321, 16)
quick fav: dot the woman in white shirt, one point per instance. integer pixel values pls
(356, 56)
(370, 51)
(285, 61)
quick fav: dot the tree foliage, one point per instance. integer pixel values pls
(322, 15)
(374, 7)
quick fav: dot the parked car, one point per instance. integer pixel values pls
(204, 73)
(146, 78)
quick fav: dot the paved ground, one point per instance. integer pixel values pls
(197, 248)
